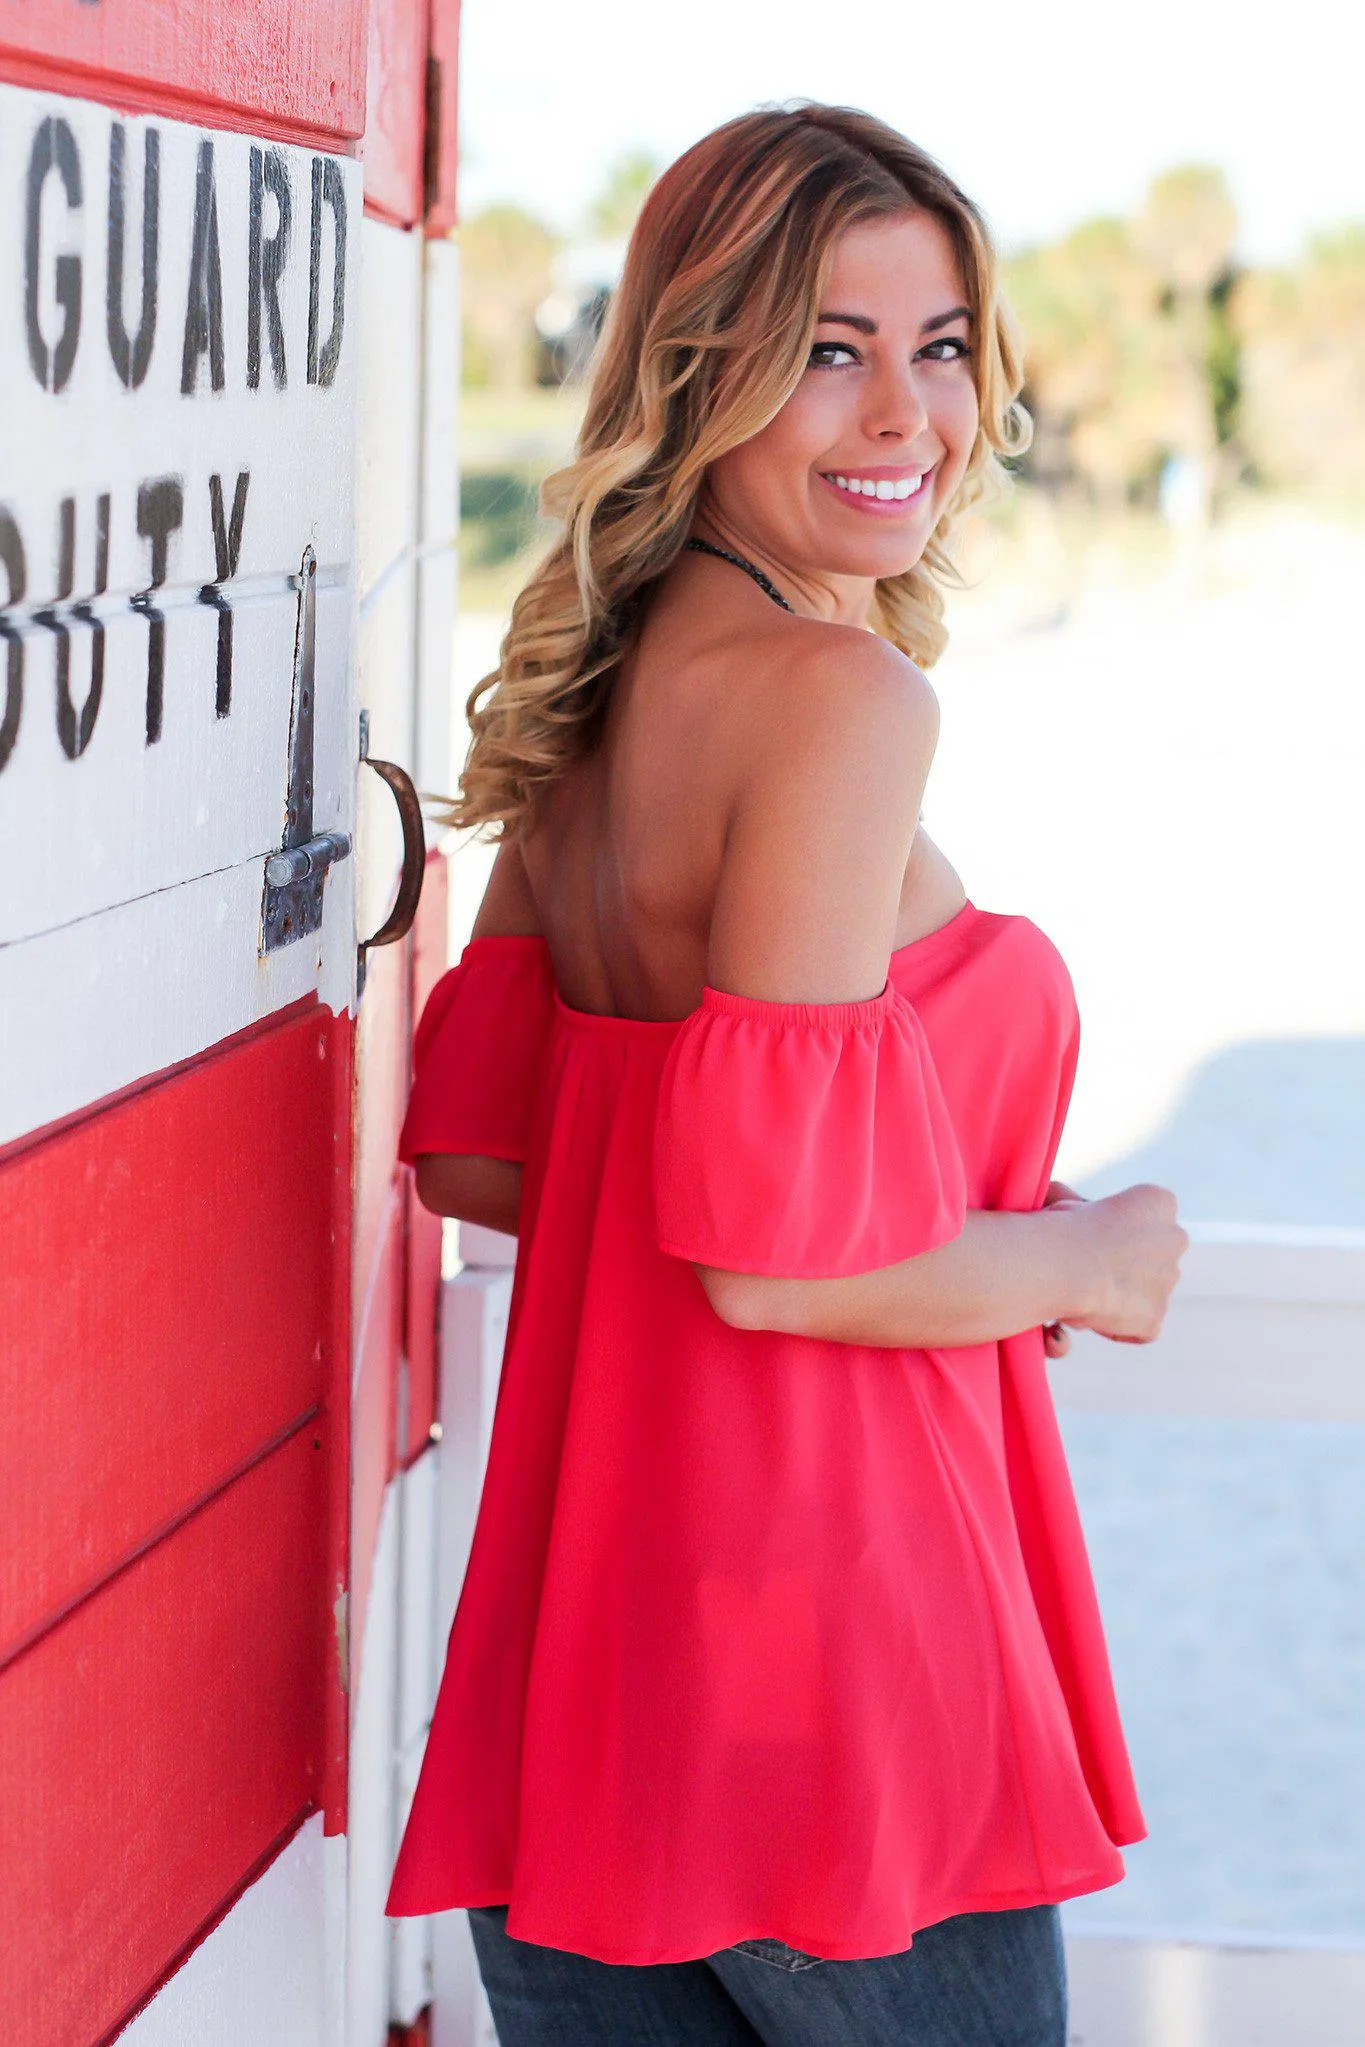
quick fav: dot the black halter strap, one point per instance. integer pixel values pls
(723, 554)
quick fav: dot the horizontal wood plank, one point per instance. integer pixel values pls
(155, 1746)
(167, 1297)
(267, 65)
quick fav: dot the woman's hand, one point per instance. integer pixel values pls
(1133, 1245)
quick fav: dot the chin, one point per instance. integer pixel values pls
(878, 562)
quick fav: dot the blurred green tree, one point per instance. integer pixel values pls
(506, 268)
(1186, 228)
(1301, 330)
(1131, 355)
(1100, 370)
(612, 214)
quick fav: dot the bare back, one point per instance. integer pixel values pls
(626, 859)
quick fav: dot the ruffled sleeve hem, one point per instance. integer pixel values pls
(804, 1140)
(479, 1051)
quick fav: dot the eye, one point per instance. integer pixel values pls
(960, 349)
(823, 355)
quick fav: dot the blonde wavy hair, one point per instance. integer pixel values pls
(706, 339)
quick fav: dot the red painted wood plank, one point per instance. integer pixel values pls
(168, 1297)
(418, 2034)
(443, 99)
(155, 1745)
(423, 1275)
(379, 1332)
(337, 1718)
(395, 127)
(269, 66)
(383, 1052)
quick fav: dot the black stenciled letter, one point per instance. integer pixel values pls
(16, 577)
(54, 147)
(265, 262)
(75, 731)
(329, 190)
(227, 552)
(204, 303)
(132, 358)
(160, 512)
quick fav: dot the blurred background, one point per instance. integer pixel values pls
(1153, 744)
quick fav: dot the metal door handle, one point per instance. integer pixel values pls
(398, 923)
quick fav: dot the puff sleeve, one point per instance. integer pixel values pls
(803, 1140)
(479, 1051)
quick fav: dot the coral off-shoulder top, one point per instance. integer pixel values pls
(762, 1634)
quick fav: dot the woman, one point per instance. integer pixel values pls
(776, 1705)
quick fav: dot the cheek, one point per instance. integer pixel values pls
(814, 416)
(958, 416)
(769, 465)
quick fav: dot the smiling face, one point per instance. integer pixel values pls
(852, 475)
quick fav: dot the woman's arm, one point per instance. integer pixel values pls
(470, 1188)
(1105, 1265)
(806, 912)
(473, 1190)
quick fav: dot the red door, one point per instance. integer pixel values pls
(207, 1273)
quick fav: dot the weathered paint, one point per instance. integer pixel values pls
(176, 450)
(136, 1395)
(443, 107)
(370, 1820)
(395, 123)
(176, 1104)
(417, 1490)
(421, 1306)
(263, 1975)
(274, 67)
(159, 485)
(158, 1746)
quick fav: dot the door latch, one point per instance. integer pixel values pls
(291, 901)
(398, 923)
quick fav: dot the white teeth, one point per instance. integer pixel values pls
(886, 490)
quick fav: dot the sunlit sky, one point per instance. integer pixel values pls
(1045, 113)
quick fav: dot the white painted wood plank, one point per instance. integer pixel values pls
(125, 820)
(1167, 1994)
(410, 1965)
(95, 1005)
(474, 1311)
(440, 489)
(370, 1809)
(1272, 1326)
(390, 394)
(491, 1249)
(262, 1974)
(387, 649)
(418, 1488)
(435, 768)
(180, 472)
(459, 2013)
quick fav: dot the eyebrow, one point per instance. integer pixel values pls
(862, 325)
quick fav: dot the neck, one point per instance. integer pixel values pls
(841, 600)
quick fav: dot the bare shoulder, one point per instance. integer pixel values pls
(838, 706)
(838, 739)
(508, 909)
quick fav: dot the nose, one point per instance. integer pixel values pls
(896, 410)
